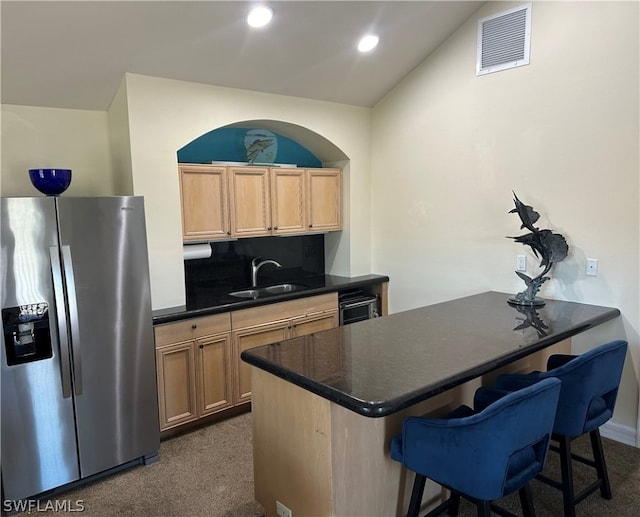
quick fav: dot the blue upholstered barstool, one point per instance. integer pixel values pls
(587, 398)
(481, 454)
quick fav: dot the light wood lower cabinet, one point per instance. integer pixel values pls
(272, 323)
(176, 384)
(213, 374)
(193, 362)
(246, 339)
(199, 370)
(272, 332)
(314, 322)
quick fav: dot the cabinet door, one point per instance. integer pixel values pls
(213, 379)
(287, 201)
(246, 339)
(205, 208)
(176, 384)
(250, 201)
(311, 323)
(324, 199)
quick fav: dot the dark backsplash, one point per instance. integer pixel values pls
(229, 266)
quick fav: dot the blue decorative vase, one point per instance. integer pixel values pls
(51, 182)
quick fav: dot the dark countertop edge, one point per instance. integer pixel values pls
(382, 409)
(171, 314)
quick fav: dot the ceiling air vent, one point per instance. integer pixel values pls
(503, 40)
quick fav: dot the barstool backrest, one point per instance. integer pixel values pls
(589, 388)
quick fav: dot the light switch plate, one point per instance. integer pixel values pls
(592, 267)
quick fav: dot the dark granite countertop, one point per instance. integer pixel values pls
(379, 366)
(215, 299)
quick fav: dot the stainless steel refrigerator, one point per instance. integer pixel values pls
(78, 364)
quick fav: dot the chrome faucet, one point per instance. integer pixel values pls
(256, 265)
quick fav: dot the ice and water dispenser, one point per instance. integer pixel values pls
(26, 333)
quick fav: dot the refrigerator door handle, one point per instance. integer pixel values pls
(73, 319)
(63, 337)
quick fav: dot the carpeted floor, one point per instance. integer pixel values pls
(209, 473)
(205, 473)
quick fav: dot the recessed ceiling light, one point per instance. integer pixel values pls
(259, 16)
(368, 42)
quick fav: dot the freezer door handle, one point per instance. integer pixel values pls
(72, 302)
(63, 337)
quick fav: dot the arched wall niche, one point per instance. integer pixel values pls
(323, 148)
(330, 155)
(320, 149)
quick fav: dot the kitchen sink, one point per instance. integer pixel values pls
(259, 292)
(283, 288)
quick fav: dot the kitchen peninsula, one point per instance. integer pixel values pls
(326, 405)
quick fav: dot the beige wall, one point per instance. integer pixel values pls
(34, 137)
(449, 147)
(120, 143)
(165, 115)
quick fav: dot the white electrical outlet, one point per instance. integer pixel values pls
(592, 267)
(282, 510)
(521, 263)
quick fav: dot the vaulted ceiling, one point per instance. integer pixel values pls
(73, 54)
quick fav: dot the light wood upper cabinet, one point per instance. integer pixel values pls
(306, 200)
(205, 205)
(288, 191)
(250, 201)
(324, 199)
(222, 202)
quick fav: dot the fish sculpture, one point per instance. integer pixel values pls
(549, 247)
(256, 147)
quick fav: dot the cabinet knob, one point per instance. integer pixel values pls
(269, 228)
(228, 233)
(194, 326)
(275, 227)
(310, 226)
(201, 346)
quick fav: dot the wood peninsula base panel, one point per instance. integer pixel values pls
(320, 459)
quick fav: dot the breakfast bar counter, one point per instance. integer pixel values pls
(325, 406)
